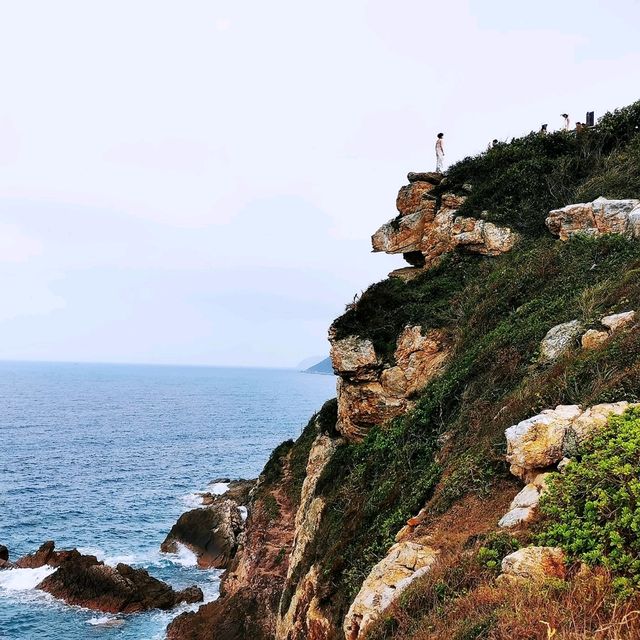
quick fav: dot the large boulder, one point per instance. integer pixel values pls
(542, 441)
(404, 562)
(85, 582)
(596, 218)
(559, 340)
(415, 197)
(354, 357)
(523, 506)
(619, 321)
(535, 563)
(212, 533)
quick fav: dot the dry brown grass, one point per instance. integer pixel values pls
(464, 602)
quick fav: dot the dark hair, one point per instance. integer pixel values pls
(495, 140)
(440, 135)
(564, 115)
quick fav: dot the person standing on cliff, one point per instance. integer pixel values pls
(566, 121)
(439, 153)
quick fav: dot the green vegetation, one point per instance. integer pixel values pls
(495, 313)
(593, 508)
(518, 183)
(495, 547)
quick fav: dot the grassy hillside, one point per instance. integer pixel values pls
(497, 311)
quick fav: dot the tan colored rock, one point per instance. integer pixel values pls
(523, 506)
(538, 442)
(619, 321)
(535, 563)
(559, 340)
(414, 198)
(405, 562)
(370, 394)
(593, 339)
(401, 235)
(406, 273)
(302, 616)
(595, 218)
(546, 439)
(452, 201)
(425, 176)
(594, 419)
(420, 231)
(354, 357)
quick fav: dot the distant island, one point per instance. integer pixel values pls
(324, 367)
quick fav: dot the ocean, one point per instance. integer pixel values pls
(105, 458)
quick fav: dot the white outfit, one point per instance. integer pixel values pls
(439, 157)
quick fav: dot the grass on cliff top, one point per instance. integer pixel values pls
(519, 182)
(497, 314)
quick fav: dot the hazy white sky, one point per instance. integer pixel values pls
(197, 181)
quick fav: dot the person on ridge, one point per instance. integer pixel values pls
(439, 153)
(566, 121)
(543, 130)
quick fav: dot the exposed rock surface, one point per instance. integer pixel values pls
(523, 506)
(619, 321)
(88, 583)
(370, 392)
(4, 558)
(301, 614)
(251, 588)
(211, 533)
(535, 563)
(83, 580)
(405, 562)
(593, 338)
(559, 340)
(596, 218)
(426, 228)
(540, 442)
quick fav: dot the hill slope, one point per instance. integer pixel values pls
(410, 471)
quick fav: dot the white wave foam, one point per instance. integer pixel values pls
(184, 557)
(105, 621)
(219, 488)
(243, 513)
(192, 500)
(23, 579)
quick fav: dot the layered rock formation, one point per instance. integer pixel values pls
(596, 218)
(370, 391)
(404, 563)
(427, 227)
(300, 611)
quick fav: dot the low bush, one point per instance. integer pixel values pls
(593, 508)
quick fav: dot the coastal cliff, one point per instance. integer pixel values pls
(482, 393)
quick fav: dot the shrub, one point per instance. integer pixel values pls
(593, 508)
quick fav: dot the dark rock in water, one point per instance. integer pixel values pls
(82, 580)
(4, 558)
(211, 533)
(238, 491)
(47, 554)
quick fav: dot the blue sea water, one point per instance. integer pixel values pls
(106, 457)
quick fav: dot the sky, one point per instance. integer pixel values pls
(196, 182)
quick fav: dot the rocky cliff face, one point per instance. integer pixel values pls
(428, 227)
(465, 383)
(372, 391)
